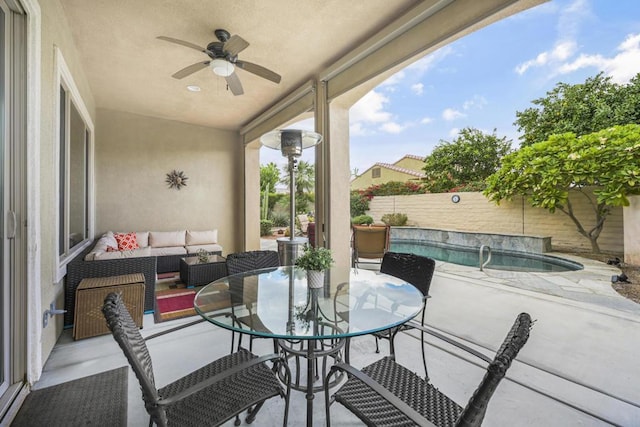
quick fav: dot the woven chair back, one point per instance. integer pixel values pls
(240, 262)
(127, 335)
(473, 413)
(415, 269)
(370, 241)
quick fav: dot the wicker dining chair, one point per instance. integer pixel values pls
(208, 396)
(241, 262)
(417, 270)
(387, 394)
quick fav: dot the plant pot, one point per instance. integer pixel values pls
(315, 279)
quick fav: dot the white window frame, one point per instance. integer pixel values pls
(64, 79)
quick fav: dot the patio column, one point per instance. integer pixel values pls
(250, 203)
(332, 177)
(631, 231)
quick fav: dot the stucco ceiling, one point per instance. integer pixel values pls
(130, 70)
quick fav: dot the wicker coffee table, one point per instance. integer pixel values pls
(194, 272)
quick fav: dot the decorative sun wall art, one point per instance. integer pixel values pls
(176, 179)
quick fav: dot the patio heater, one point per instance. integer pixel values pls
(290, 142)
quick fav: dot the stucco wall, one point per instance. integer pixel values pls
(54, 33)
(475, 213)
(133, 155)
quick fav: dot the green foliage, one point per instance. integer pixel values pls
(359, 203)
(280, 220)
(393, 188)
(265, 227)
(397, 219)
(362, 220)
(608, 160)
(583, 108)
(269, 177)
(471, 157)
(317, 259)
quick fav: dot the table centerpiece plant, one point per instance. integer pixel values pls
(315, 261)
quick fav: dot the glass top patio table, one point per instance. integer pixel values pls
(277, 303)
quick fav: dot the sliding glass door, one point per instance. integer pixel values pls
(12, 201)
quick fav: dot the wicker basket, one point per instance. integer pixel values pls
(88, 318)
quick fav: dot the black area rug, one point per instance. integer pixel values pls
(96, 400)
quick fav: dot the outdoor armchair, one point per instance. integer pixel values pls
(387, 394)
(369, 242)
(207, 396)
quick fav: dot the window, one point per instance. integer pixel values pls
(75, 211)
(375, 173)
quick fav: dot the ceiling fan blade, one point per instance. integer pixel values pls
(234, 84)
(183, 43)
(235, 45)
(186, 71)
(259, 70)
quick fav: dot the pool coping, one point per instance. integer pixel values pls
(591, 285)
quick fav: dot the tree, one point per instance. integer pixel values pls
(583, 108)
(471, 157)
(607, 161)
(269, 177)
(305, 184)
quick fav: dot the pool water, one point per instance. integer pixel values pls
(500, 260)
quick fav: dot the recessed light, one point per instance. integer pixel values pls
(193, 88)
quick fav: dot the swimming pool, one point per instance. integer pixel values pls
(500, 260)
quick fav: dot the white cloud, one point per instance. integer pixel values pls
(417, 88)
(430, 61)
(477, 102)
(356, 129)
(453, 132)
(450, 114)
(621, 67)
(392, 127)
(560, 52)
(370, 109)
(426, 120)
(569, 20)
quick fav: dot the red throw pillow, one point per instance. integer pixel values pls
(111, 249)
(126, 241)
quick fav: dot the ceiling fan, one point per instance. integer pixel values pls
(224, 60)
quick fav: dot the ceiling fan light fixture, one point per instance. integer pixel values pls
(221, 67)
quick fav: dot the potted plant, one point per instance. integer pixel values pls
(315, 261)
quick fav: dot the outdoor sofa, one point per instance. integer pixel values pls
(157, 252)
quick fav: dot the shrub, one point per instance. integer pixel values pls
(397, 219)
(279, 219)
(394, 188)
(265, 227)
(362, 220)
(359, 203)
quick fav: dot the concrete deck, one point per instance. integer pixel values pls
(580, 366)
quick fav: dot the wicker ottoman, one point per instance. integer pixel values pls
(90, 293)
(196, 273)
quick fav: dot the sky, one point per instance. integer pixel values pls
(482, 79)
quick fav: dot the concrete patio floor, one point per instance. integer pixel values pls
(580, 366)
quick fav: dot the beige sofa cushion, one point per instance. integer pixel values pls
(201, 237)
(169, 250)
(213, 247)
(135, 253)
(164, 239)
